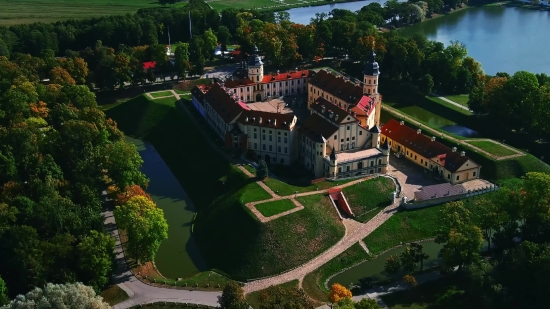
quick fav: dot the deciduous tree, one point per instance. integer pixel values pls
(95, 253)
(338, 292)
(232, 297)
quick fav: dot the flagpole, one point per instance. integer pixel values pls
(190, 32)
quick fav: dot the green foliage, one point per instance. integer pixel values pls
(365, 303)
(276, 207)
(393, 264)
(262, 170)
(426, 84)
(95, 251)
(145, 225)
(232, 297)
(3, 293)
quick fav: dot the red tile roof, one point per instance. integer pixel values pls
(268, 78)
(223, 104)
(268, 120)
(364, 107)
(423, 145)
(337, 86)
(238, 83)
(149, 65)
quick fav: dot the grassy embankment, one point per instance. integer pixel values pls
(368, 198)
(255, 299)
(230, 238)
(114, 295)
(46, 11)
(461, 99)
(274, 208)
(283, 188)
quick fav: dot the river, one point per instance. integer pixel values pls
(305, 14)
(178, 256)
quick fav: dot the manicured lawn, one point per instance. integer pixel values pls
(405, 226)
(114, 295)
(252, 192)
(367, 198)
(450, 106)
(29, 11)
(461, 99)
(276, 207)
(447, 292)
(250, 169)
(283, 188)
(182, 92)
(233, 241)
(255, 299)
(161, 94)
(314, 282)
(493, 148)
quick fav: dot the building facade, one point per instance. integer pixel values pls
(444, 162)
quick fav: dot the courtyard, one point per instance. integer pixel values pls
(290, 104)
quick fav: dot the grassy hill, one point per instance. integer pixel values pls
(230, 238)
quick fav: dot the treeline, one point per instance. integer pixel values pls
(58, 152)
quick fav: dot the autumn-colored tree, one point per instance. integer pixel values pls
(39, 109)
(338, 292)
(410, 280)
(77, 68)
(492, 93)
(59, 75)
(129, 192)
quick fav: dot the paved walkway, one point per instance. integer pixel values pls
(456, 140)
(451, 102)
(141, 293)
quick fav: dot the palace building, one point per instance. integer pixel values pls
(340, 136)
(435, 157)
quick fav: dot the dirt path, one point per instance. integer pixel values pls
(451, 102)
(456, 140)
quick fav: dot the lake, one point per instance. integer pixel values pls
(503, 39)
(178, 256)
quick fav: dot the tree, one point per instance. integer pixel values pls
(60, 296)
(210, 42)
(224, 36)
(426, 84)
(418, 254)
(262, 171)
(278, 297)
(145, 225)
(365, 303)
(232, 297)
(121, 158)
(95, 253)
(408, 260)
(181, 59)
(338, 292)
(3, 293)
(58, 75)
(410, 280)
(393, 264)
(129, 192)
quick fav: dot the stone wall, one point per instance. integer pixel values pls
(441, 200)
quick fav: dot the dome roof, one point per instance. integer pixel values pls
(371, 67)
(254, 59)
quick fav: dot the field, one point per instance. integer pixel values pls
(276, 207)
(314, 282)
(461, 99)
(404, 227)
(367, 198)
(493, 148)
(29, 11)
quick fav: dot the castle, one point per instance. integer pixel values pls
(339, 138)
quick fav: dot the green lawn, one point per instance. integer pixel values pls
(233, 241)
(367, 198)
(276, 207)
(405, 226)
(283, 188)
(250, 169)
(29, 11)
(182, 92)
(169, 305)
(450, 106)
(114, 295)
(493, 148)
(461, 99)
(252, 192)
(314, 282)
(255, 299)
(204, 281)
(161, 94)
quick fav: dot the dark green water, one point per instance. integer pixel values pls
(374, 269)
(178, 256)
(503, 39)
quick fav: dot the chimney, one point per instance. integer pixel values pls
(260, 120)
(253, 119)
(418, 131)
(336, 118)
(330, 113)
(462, 153)
(401, 122)
(246, 119)
(323, 109)
(433, 138)
(454, 149)
(274, 122)
(277, 72)
(269, 121)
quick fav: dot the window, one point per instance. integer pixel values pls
(286, 150)
(348, 128)
(360, 132)
(335, 137)
(263, 131)
(371, 163)
(279, 149)
(257, 78)
(255, 145)
(339, 170)
(341, 147)
(263, 146)
(353, 138)
(379, 170)
(270, 138)
(278, 139)
(474, 174)
(270, 132)
(379, 161)
(255, 135)
(347, 168)
(254, 129)
(342, 140)
(282, 161)
(263, 137)
(286, 140)
(457, 177)
(415, 157)
(449, 176)
(270, 148)
(421, 161)
(347, 139)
